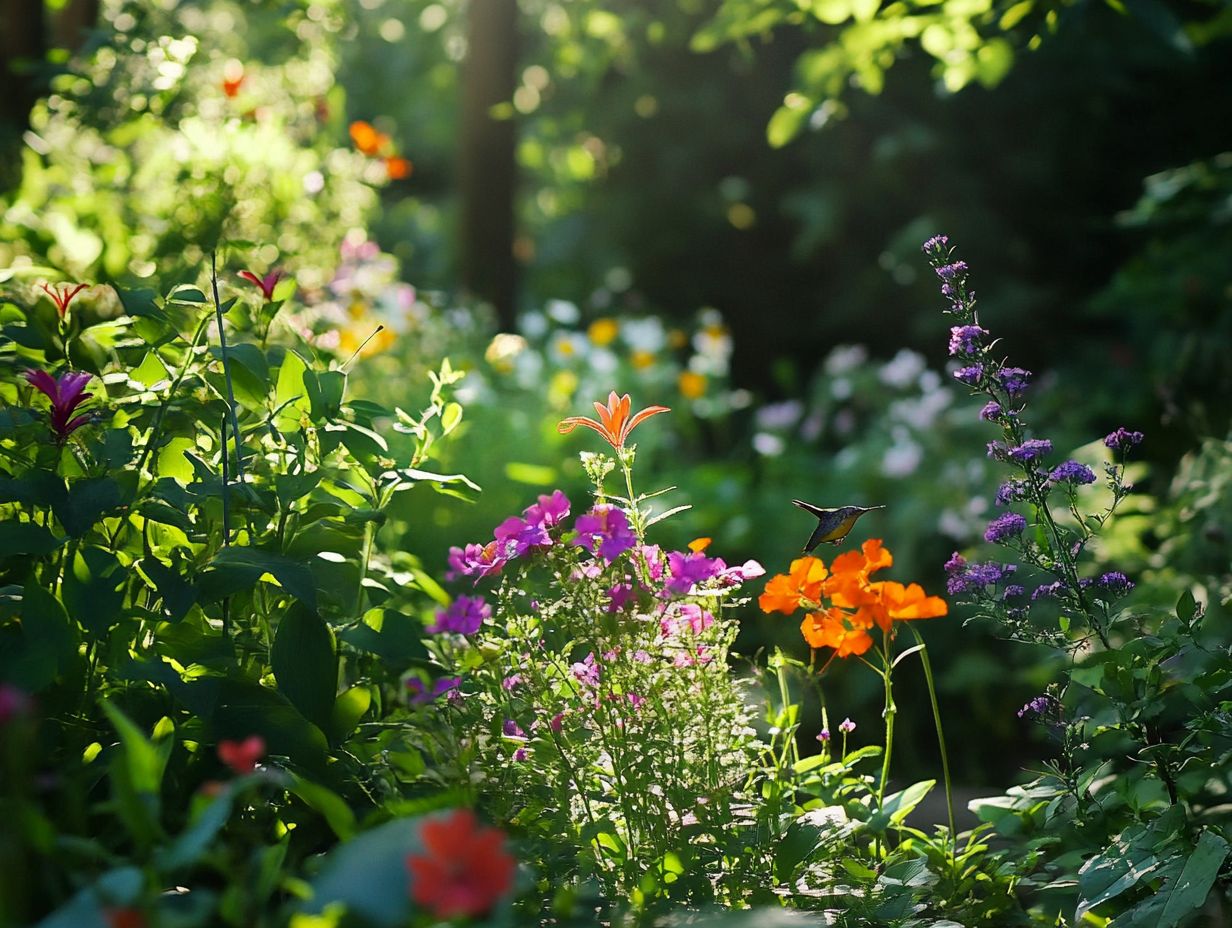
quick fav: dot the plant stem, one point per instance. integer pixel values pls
(226, 522)
(890, 711)
(945, 761)
(226, 369)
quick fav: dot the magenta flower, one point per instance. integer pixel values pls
(65, 393)
(691, 569)
(464, 616)
(266, 284)
(421, 694)
(518, 537)
(62, 297)
(549, 511)
(605, 531)
(476, 560)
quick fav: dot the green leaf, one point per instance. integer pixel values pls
(239, 568)
(389, 635)
(337, 813)
(305, 665)
(238, 708)
(290, 394)
(176, 593)
(119, 887)
(348, 709)
(195, 840)
(368, 875)
(26, 538)
(898, 806)
(1188, 893)
(93, 589)
(88, 501)
(137, 776)
(1186, 607)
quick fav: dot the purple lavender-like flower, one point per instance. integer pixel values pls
(1037, 707)
(997, 451)
(1004, 527)
(955, 564)
(689, 569)
(1072, 472)
(463, 616)
(991, 411)
(964, 577)
(1014, 380)
(1049, 590)
(605, 531)
(1115, 582)
(936, 245)
(965, 340)
(1013, 591)
(971, 376)
(953, 271)
(1010, 491)
(1030, 450)
(1122, 440)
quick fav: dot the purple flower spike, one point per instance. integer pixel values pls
(991, 411)
(464, 616)
(1115, 582)
(1014, 380)
(1005, 527)
(935, 244)
(65, 393)
(952, 271)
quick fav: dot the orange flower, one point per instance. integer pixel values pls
(367, 138)
(905, 603)
(699, 544)
(398, 168)
(846, 633)
(614, 423)
(785, 592)
(62, 296)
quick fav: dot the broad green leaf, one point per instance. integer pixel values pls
(898, 806)
(1188, 893)
(349, 708)
(368, 874)
(88, 501)
(304, 663)
(290, 394)
(195, 840)
(118, 887)
(337, 813)
(239, 568)
(26, 538)
(93, 589)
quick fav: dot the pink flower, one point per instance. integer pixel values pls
(65, 393)
(62, 297)
(266, 283)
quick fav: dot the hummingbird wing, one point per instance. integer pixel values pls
(809, 507)
(815, 538)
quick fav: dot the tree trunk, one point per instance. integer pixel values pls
(486, 167)
(23, 48)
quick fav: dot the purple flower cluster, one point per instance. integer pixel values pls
(422, 693)
(991, 411)
(605, 531)
(1122, 440)
(1072, 472)
(963, 576)
(1010, 491)
(1049, 590)
(971, 375)
(1037, 707)
(464, 616)
(1030, 450)
(1005, 527)
(965, 340)
(515, 537)
(1014, 380)
(1115, 582)
(953, 271)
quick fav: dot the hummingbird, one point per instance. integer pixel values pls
(832, 524)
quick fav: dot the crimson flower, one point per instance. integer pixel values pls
(266, 283)
(464, 868)
(62, 296)
(65, 395)
(242, 756)
(614, 422)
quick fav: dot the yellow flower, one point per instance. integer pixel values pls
(642, 359)
(677, 338)
(603, 331)
(692, 385)
(503, 348)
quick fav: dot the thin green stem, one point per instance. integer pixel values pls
(891, 710)
(226, 369)
(945, 761)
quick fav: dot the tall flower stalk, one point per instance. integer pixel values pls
(1046, 542)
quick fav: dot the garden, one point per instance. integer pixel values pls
(544, 462)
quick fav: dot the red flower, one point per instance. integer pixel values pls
(266, 283)
(397, 168)
(242, 756)
(614, 423)
(464, 869)
(124, 918)
(62, 296)
(65, 395)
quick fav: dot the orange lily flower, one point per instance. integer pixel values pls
(614, 422)
(785, 592)
(398, 168)
(905, 603)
